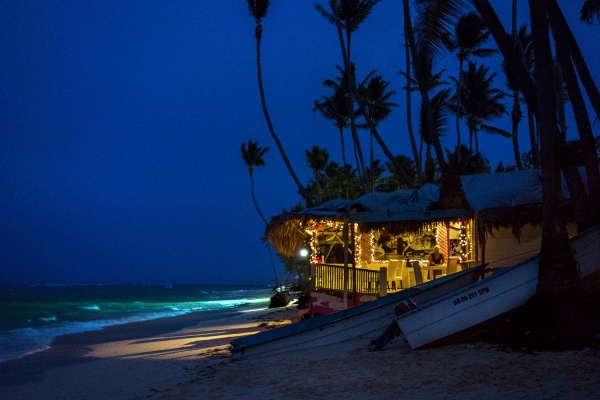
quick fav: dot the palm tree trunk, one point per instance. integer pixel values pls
(560, 98)
(458, 92)
(516, 113)
(255, 202)
(516, 118)
(423, 90)
(557, 271)
(561, 29)
(581, 118)
(301, 188)
(535, 153)
(266, 223)
(411, 132)
(346, 172)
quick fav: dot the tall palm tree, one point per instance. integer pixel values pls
(378, 107)
(510, 53)
(468, 40)
(563, 32)
(523, 42)
(354, 91)
(431, 81)
(557, 270)
(258, 9)
(590, 11)
(351, 13)
(440, 109)
(335, 108)
(435, 17)
(583, 122)
(345, 112)
(480, 102)
(317, 159)
(253, 156)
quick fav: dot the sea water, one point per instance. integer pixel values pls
(32, 315)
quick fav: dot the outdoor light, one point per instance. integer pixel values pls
(303, 254)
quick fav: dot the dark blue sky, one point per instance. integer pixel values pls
(121, 123)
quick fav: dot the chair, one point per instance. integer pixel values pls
(405, 275)
(418, 275)
(392, 273)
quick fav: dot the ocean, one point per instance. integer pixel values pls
(32, 315)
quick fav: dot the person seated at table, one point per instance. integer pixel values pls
(436, 258)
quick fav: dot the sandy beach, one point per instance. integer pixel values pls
(178, 358)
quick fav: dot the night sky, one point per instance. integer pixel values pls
(121, 123)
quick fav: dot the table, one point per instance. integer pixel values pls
(442, 268)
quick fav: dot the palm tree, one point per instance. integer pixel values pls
(340, 106)
(258, 9)
(582, 119)
(440, 109)
(470, 35)
(378, 107)
(467, 163)
(431, 81)
(480, 102)
(590, 11)
(253, 156)
(317, 159)
(351, 13)
(435, 18)
(557, 270)
(394, 182)
(523, 42)
(354, 91)
(510, 53)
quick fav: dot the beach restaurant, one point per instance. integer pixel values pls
(358, 250)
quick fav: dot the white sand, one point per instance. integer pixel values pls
(194, 362)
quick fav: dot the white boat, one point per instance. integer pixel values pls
(367, 320)
(479, 307)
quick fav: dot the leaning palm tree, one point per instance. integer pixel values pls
(480, 102)
(468, 40)
(253, 156)
(258, 9)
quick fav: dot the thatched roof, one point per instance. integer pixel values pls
(500, 200)
(398, 212)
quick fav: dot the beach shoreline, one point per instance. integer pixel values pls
(179, 357)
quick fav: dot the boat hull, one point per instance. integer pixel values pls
(480, 307)
(366, 320)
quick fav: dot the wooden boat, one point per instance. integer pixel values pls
(367, 319)
(477, 308)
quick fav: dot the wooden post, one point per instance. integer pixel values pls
(313, 276)
(345, 300)
(354, 294)
(383, 281)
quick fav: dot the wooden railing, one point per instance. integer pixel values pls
(331, 277)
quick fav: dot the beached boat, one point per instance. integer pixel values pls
(481, 306)
(366, 320)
